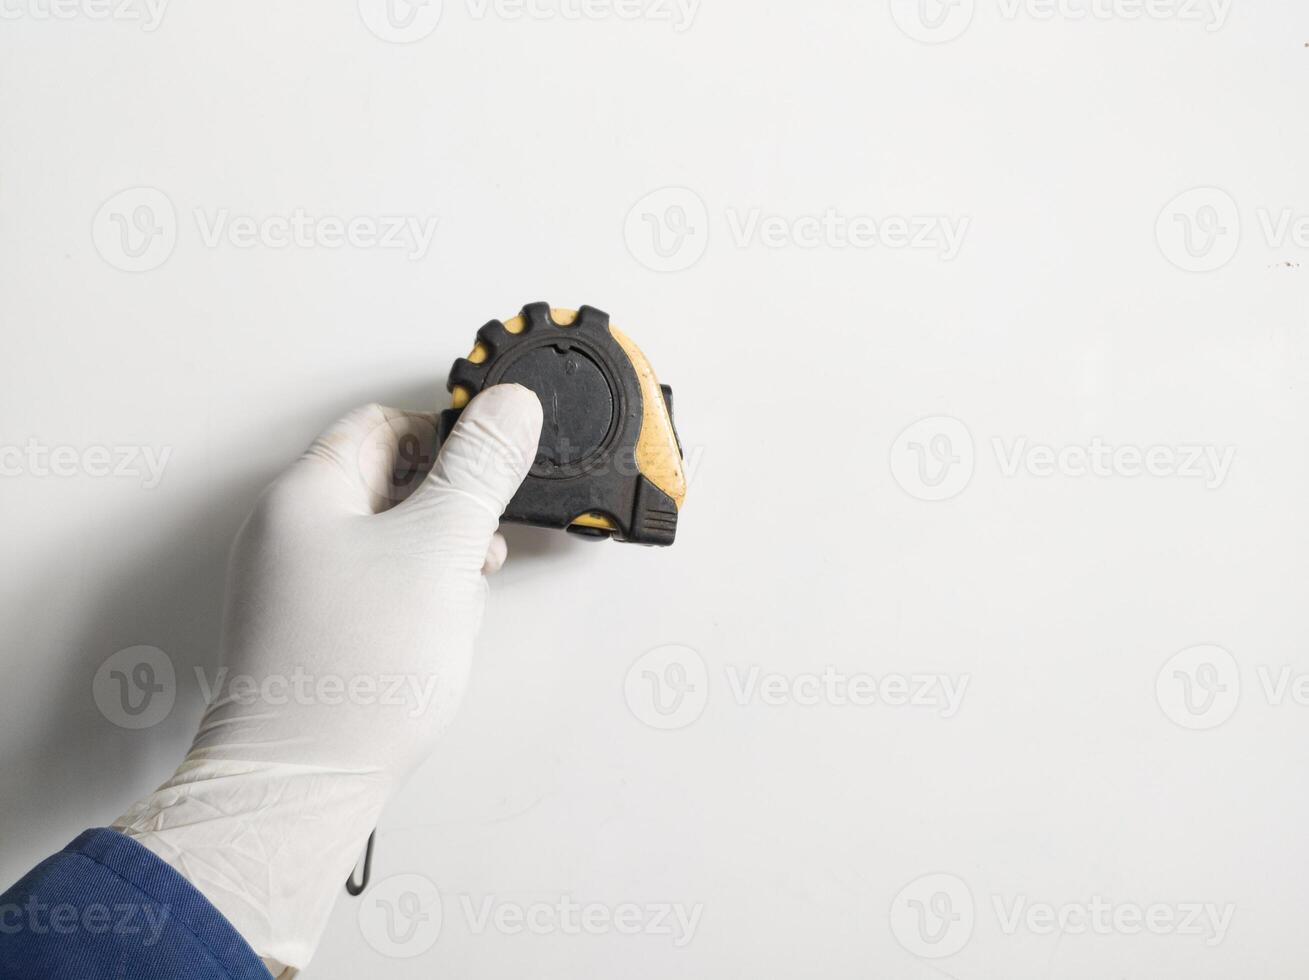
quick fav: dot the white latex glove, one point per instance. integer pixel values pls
(348, 637)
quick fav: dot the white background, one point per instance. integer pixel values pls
(1068, 314)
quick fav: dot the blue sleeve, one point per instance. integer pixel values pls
(105, 908)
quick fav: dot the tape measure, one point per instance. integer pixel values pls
(609, 463)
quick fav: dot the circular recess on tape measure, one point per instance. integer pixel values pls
(577, 405)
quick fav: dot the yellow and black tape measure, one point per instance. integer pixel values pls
(609, 463)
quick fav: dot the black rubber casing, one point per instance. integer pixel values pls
(593, 410)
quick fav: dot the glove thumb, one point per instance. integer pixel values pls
(479, 469)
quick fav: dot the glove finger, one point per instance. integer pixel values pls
(496, 554)
(373, 458)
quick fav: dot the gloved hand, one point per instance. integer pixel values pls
(348, 637)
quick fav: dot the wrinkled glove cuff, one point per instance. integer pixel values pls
(269, 844)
